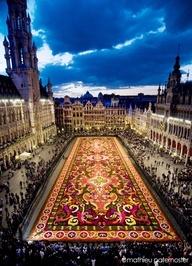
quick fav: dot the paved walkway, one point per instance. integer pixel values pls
(159, 162)
(158, 166)
(19, 175)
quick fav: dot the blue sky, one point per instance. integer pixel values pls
(107, 45)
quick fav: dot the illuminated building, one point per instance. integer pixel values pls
(27, 110)
(88, 116)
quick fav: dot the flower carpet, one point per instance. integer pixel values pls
(100, 196)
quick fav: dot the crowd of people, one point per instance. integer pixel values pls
(22, 253)
(173, 182)
(174, 188)
(17, 204)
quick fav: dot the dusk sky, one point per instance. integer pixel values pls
(125, 46)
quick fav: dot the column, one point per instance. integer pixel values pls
(187, 155)
(181, 152)
(162, 139)
(4, 163)
(176, 147)
(166, 144)
(171, 146)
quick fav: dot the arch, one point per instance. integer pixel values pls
(179, 147)
(25, 147)
(11, 156)
(14, 153)
(6, 161)
(169, 143)
(174, 144)
(157, 137)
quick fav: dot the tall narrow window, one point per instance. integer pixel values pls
(21, 58)
(18, 23)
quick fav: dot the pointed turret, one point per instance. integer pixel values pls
(40, 82)
(130, 108)
(149, 107)
(173, 82)
(7, 55)
(5, 42)
(8, 21)
(49, 89)
(28, 18)
(176, 73)
(34, 46)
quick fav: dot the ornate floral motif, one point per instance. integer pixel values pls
(100, 195)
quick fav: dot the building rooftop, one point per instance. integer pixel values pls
(8, 89)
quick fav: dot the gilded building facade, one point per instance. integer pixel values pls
(140, 119)
(87, 116)
(27, 117)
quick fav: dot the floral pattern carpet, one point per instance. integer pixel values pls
(100, 196)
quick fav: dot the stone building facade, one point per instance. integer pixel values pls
(170, 126)
(87, 116)
(26, 106)
(140, 119)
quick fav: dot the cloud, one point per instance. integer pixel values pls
(107, 43)
(136, 64)
(114, 43)
(77, 89)
(87, 52)
(2, 58)
(46, 57)
(32, 8)
(187, 72)
(128, 42)
(82, 25)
